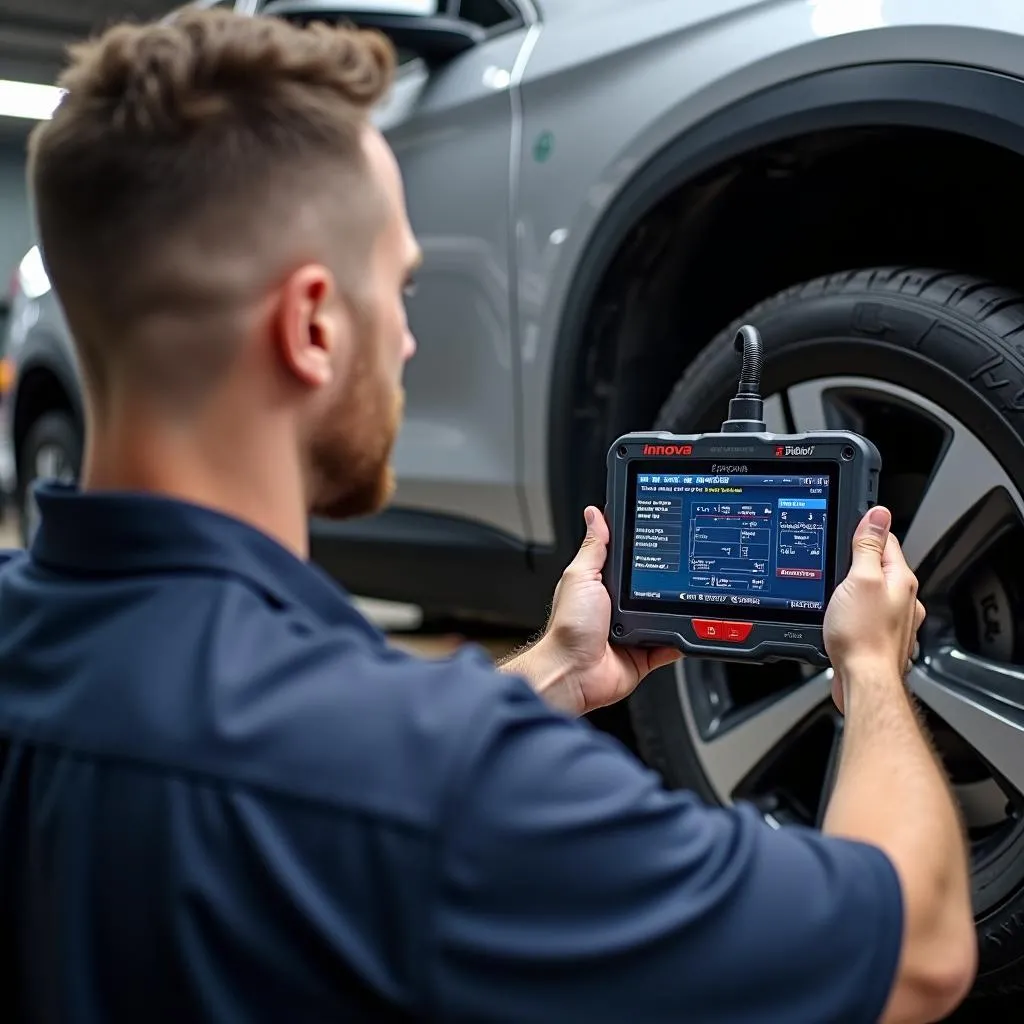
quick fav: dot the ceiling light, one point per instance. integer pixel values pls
(28, 100)
(32, 276)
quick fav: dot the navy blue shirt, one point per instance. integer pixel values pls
(224, 797)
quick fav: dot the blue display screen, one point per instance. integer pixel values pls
(733, 543)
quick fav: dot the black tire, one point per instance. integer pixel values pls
(56, 431)
(949, 336)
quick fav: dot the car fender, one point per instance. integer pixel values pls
(747, 82)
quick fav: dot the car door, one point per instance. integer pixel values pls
(449, 121)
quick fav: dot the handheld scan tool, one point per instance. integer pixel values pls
(729, 545)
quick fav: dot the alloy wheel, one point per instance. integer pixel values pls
(50, 462)
(770, 734)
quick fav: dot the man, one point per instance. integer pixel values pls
(222, 795)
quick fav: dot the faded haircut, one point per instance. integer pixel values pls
(190, 164)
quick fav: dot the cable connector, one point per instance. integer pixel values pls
(746, 410)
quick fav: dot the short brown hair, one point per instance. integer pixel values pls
(181, 153)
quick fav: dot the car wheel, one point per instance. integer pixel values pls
(52, 450)
(930, 366)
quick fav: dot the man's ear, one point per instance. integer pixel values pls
(308, 330)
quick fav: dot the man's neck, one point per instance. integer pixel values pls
(258, 483)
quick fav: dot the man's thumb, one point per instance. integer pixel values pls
(593, 550)
(870, 537)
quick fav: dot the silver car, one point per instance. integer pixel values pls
(603, 189)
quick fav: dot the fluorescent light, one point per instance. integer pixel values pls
(32, 278)
(29, 100)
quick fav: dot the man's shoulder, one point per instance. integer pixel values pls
(341, 717)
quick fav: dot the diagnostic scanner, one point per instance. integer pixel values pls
(729, 545)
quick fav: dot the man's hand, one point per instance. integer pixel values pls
(573, 665)
(874, 615)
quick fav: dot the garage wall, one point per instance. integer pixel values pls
(15, 223)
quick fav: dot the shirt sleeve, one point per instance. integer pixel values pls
(574, 887)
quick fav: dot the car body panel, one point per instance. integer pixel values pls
(654, 71)
(451, 132)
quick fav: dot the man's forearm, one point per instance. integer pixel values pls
(547, 673)
(891, 791)
(890, 782)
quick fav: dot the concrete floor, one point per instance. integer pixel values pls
(9, 534)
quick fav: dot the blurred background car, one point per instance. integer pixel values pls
(603, 189)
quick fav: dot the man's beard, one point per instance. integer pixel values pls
(351, 452)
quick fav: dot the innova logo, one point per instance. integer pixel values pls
(668, 449)
(793, 449)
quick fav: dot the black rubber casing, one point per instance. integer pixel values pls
(857, 463)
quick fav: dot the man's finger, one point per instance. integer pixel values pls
(659, 657)
(594, 548)
(919, 616)
(894, 565)
(870, 539)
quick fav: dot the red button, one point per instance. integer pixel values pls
(737, 632)
(709, 629)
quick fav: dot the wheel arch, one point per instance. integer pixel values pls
(42, 387)
(965, 102)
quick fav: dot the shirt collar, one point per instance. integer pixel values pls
(116, 533)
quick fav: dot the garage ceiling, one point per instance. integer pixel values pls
(34, 33)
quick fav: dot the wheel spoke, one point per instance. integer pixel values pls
(46, 463)
(988, 523)
(978, 699)
(732, 753)
(808, 406)
(966, 472)
(775, 415)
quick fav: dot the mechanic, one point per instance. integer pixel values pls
(223, 796)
